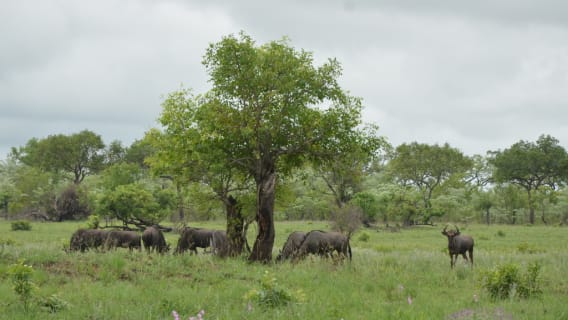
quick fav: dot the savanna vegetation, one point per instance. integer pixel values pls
(395, 274)
(275, 141)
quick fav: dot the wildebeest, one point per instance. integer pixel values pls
(84, 239)
(154, 240)
(291, 245)
(219, 243)
(123, 239)
(193, 238)
(458, 244)
(324, 244)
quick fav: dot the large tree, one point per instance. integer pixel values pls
(532, 166)
(78, 154)
(428, 168)
(270, 110)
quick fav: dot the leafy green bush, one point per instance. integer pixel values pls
(364, 237)
(506, 281)
(21, 275)
(93, 222)
(271, 294)
(500, 233)
(21, 225)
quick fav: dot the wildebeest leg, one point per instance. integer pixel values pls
(452, 261)
(471, 257)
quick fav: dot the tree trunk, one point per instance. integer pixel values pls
(262, 249)
(487, 216)
(531, 208)
(235, 223)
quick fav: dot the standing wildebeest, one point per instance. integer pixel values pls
(123, 239)
(193, 238)
(153, 239)
(291, 246)
(84, 239)
(458, 244)
(219, 243)
(324, 243)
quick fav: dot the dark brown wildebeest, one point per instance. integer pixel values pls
(154, 240)
(458, 244)
(291, 245)
(324, 244)
(219, 243)
(84, 239)
(123, 239)
(193, 238)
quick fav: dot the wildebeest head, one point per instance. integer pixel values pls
(451, 233)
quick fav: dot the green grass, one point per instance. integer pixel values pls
(387, 269)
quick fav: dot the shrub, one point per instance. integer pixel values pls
(364, 237)
(506, 281)
(271, 294)
(21, 279)
(21, 225)
(500, 233)
(93, 222)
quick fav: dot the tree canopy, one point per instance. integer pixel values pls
(78, 154)
(532, 166)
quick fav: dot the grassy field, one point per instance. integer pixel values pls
(393, 275)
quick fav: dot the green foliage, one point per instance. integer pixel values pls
(506, 281)
(429, 168)
(500, 233)
(133, 204)
(21, 276)
(368, 204)
(363, 237)
(21, 225)
(93, 221)
(532, 166)
(79, 154)
(271, 294)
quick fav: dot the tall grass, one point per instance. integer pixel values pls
(393, 275)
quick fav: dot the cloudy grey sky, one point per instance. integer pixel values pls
(480, 75)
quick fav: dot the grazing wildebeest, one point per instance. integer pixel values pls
(154, 240)
(219, 243)
(84, 239)
(324, 243)
(123, 239)
(193, 238)
(458, 244)
(291, 245)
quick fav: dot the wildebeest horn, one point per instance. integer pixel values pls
(446, 227)
(457, 229)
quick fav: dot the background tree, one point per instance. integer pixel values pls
(428, 167)
(133, 204)
(79, 154)
(532, 166)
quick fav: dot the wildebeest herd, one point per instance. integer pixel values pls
(298, 245)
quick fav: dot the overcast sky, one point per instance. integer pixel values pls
(479, 75)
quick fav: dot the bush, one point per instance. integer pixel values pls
(271, 294)
(93, 222)
(21, 275)
(506, 281)
(364, 237)
(21, 225)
